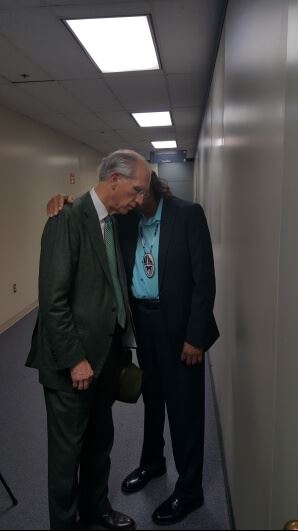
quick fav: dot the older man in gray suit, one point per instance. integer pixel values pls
(76, 345)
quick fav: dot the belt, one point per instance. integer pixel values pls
(150, 304)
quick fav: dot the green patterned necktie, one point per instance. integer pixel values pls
(111, 254)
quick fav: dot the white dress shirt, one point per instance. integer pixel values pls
(100, 209)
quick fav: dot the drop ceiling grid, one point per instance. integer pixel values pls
(84, 100)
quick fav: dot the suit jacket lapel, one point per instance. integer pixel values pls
(93, 227)
(167, 223)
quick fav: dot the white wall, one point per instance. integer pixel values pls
(35, 163)
(285, 469)
(246, 178)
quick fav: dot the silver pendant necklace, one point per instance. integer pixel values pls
(148, 260)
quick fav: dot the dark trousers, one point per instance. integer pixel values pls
(80, 439)
(169, 382)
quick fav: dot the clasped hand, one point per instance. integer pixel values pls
(82, 375)
(191, 355)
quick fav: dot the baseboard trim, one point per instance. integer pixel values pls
(5, 326)
(221, 445)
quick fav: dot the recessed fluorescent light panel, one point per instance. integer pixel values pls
(152, 119)
(164, 144)
(118, 44)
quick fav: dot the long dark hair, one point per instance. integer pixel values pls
(159, 187)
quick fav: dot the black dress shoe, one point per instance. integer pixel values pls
(175, 509)
(140, 477)
(110, 519)
(115, 520)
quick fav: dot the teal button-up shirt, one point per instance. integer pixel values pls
(142, 286)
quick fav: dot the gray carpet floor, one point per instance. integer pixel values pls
(23, 453)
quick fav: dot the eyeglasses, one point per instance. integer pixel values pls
(137, 189)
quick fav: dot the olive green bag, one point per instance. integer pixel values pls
(130, 381)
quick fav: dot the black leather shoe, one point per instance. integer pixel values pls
(140, 477)
(110, 519)
(115, 520)
(175, 509)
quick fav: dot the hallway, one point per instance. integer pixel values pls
(226, 77)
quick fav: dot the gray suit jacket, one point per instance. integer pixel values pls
(77, 309)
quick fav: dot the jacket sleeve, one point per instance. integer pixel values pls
(202, 264)
(59, 251)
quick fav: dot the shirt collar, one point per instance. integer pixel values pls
(156, 217)
(99, 206)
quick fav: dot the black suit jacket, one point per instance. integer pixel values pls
(185, 269)
(77, 309)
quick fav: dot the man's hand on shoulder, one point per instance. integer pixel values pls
(56, 204)
(82, 375)
(191, 355)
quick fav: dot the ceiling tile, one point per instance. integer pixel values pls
(186, 90)
(187, 137)
(44, 39)
(146, 91)
(87, 120)
(13, 63)
(141, 134)
(98, 8)
(54, 95)
(12, 4)
(117, 120)
(111, 137)
(184, 26)
(59, 123)
(56, 121)
(94, 92)
(187, 117)
(15, 98)
(4, 81)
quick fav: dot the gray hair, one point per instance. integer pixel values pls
(122, 161)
